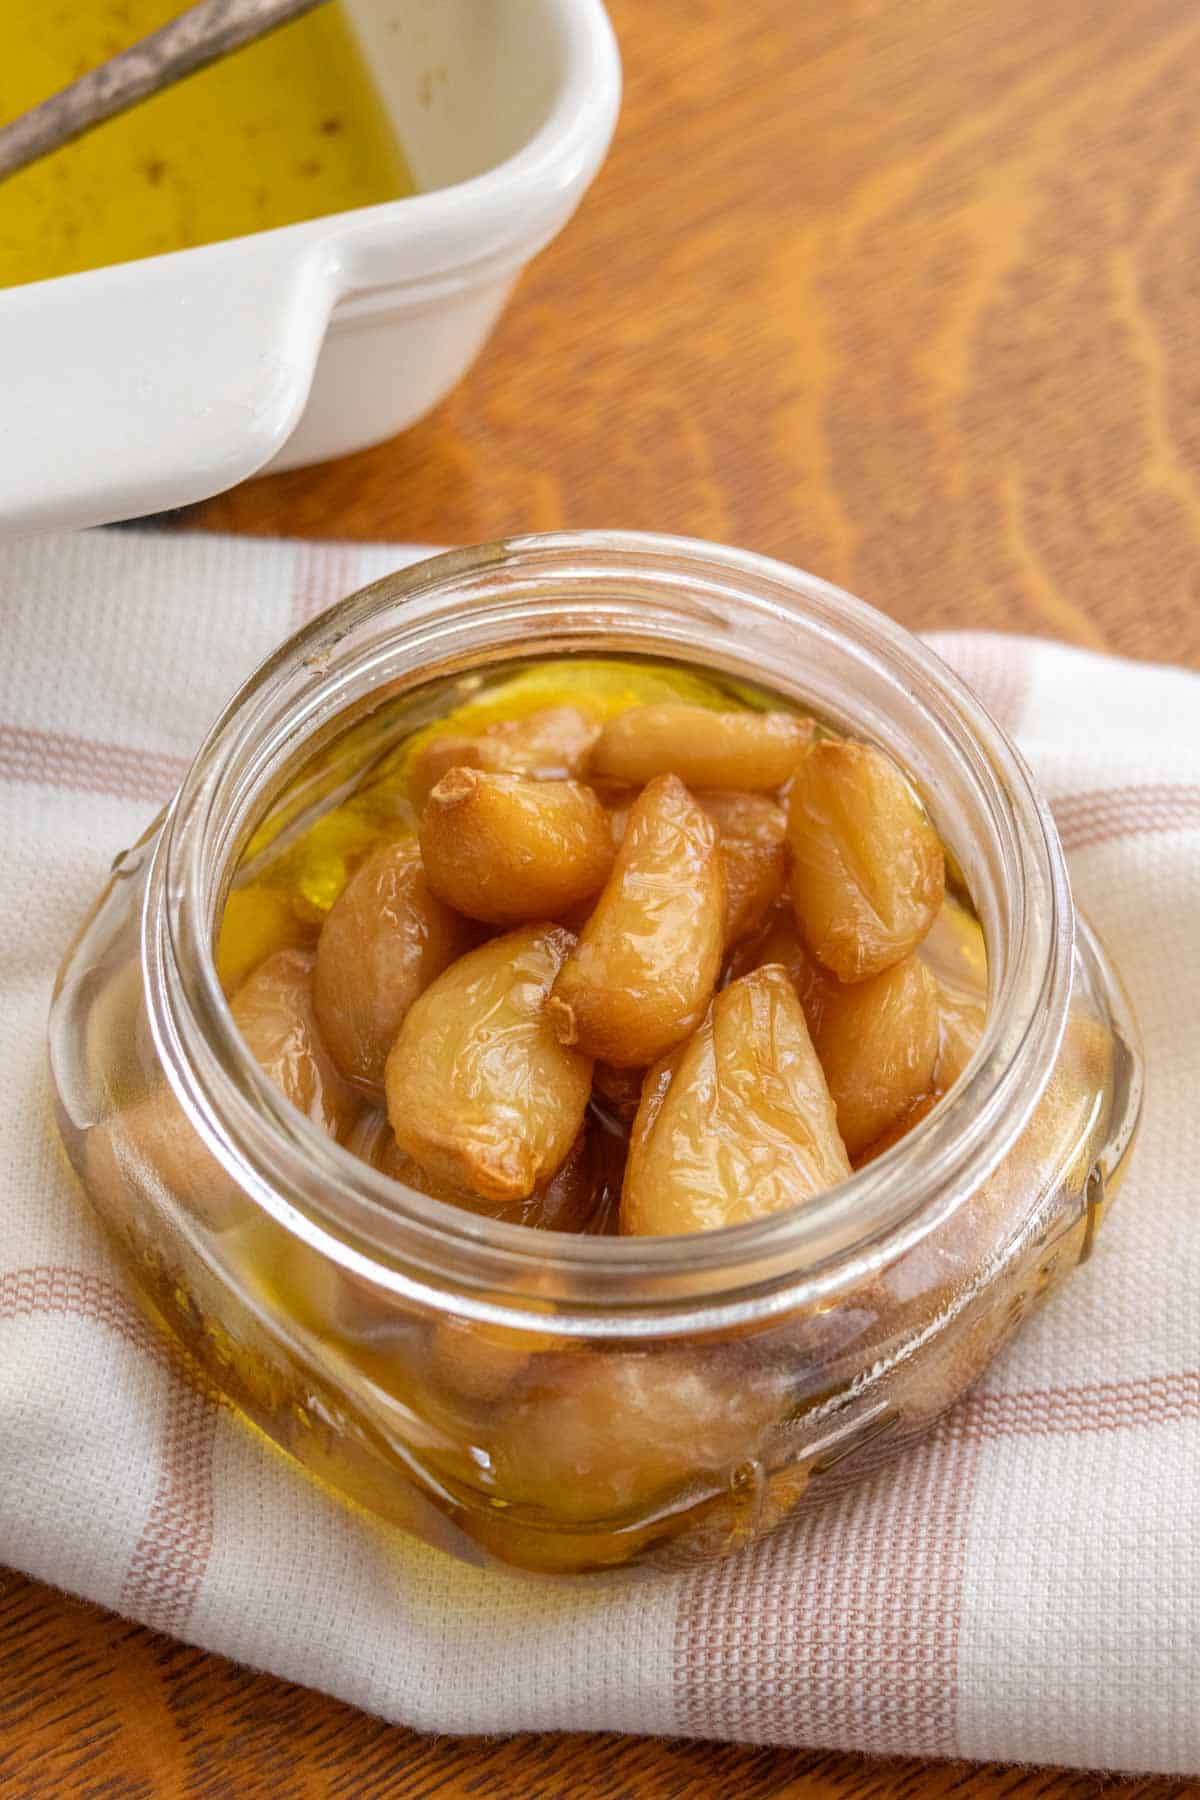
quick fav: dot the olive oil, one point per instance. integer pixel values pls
(285, 129)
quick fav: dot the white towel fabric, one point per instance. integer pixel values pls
(1024, 1585)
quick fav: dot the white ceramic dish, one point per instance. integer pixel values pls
(144, 386)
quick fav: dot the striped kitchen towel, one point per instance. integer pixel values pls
(1024, 1585)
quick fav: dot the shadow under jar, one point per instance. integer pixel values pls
(564, 1402)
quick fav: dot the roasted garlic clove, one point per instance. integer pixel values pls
(738, 1122)
(275, 1013)
(569, 1201)
(554, 742)
(649, 955)
(603, 1436)
(878, 1044)
(385, 939)
(704, 748)
(480, 1090)
(506, 848)
(868, 871)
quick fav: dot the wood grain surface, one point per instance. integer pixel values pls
(905, 294)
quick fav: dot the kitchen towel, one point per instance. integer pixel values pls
(1025, 1584)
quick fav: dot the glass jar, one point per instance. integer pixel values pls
(569, 1403)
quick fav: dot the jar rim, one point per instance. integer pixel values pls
(732, 609)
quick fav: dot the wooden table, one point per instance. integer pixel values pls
(907, 295)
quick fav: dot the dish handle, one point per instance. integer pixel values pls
(154, 384)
